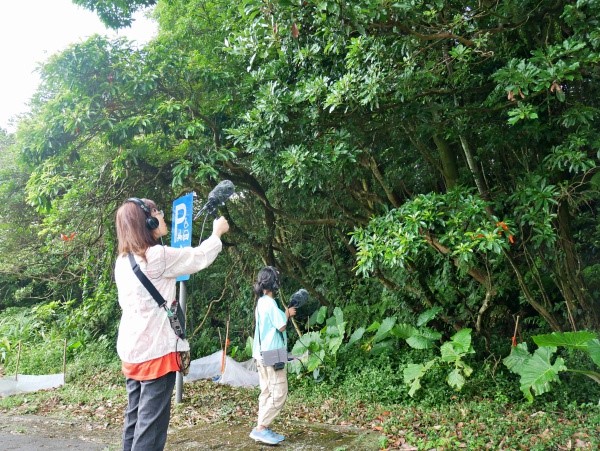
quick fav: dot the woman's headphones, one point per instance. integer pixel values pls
(151, 222)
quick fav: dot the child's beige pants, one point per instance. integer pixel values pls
(273, 393)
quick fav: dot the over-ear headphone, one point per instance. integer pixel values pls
(151, 222)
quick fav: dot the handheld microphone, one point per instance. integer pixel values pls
(218, 196)
(299, 298)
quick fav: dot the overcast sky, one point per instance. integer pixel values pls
(31, 31)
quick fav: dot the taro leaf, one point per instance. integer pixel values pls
(384, 345)
(336, 326)
(373, 327)
(298, 348)
(537, 372)
(467, 369)
(449, 353)
(428, 315)
(423, 338)
(415, 385)
(335, 343)
(356, 335)
(339, 315)
(594, 350)
(318, 316)
(462, 340)
(413, 374)
(433, 335)
(458, 347)
(404, 331)
(309, 341)
(412, 371)
(517, 357)
(384, 329)
(574, 340)
(341, 328)
(419, 342)
(314, 360)
(455, 379)
(317, 374)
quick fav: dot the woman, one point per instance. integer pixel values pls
(269, 331)
(147, 345)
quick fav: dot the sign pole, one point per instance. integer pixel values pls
(179, 376)
(181, 236)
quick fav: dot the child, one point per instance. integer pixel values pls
(269, 334)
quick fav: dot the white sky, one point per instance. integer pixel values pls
(31, 31)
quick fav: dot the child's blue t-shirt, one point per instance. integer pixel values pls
(269, 319)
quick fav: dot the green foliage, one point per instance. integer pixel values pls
(4, 348)
(115, 14)
(457, 219)
(375, 379)
(242, 353)
(537, 218)
(20, 324)
(452, 354)
(38, 339)
(327, 351)
(98, 357)
(537, 371)
(421, 336)
(322, 346)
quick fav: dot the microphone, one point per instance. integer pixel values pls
(218, 196)
(299, 298)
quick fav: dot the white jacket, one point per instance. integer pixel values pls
(145, 332)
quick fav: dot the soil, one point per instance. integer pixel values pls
(34, 432)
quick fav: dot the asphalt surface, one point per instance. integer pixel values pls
(33, 433)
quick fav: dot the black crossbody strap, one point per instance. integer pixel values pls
(258, 324)
(149, 286)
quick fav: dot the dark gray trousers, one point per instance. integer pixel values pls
(148, 413)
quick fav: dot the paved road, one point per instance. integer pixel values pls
(33, 433)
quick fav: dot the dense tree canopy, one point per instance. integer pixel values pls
(390, 157)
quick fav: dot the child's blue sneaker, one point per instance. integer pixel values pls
(279, 437)
(264, 436)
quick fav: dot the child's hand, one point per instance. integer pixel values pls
(290, 312)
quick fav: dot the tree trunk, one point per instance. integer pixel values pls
(475, 172)
(449, 162)
(568, 274)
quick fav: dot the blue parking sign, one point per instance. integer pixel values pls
(181, 233)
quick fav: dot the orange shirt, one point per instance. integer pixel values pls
(152, 369)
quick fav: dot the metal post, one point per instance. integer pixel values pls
(65, 361)
(18, 360)
(179, 376)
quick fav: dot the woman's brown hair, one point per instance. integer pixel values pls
(132, 232)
